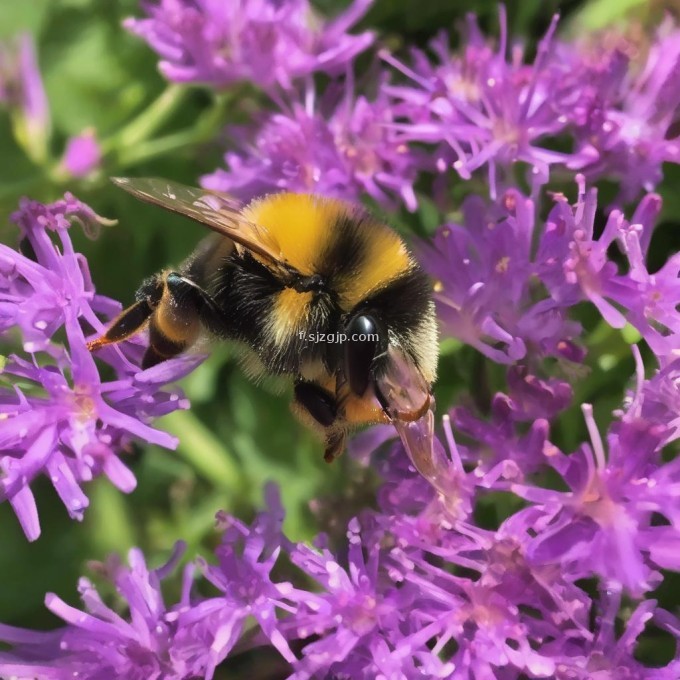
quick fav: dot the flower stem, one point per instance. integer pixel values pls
(159, 147)
(203, 130)
(203, 451)
(149, 120)
(111, 526)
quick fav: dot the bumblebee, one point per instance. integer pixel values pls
(312, 288)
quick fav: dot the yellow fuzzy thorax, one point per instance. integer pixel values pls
(305, 227)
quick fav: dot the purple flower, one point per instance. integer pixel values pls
(405, 597)
(267, 42)
(487, 108)
(603, 524)
(611, 655)
(505, 283)
(626, 112)
(359, 615)
(23, 92)
(343, 146)
(657, 400)
(394, 604)
(246, 558)
(152, 641)
(488, 628)
(497, 442)
(484, 289)
(185, 640)
(484, 108)
(574, 265)
(37, 294)
(82, 154)
(79, 429)
(60, 419)
(531, 398)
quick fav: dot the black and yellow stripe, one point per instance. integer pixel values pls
(287, 267)
(348, 260)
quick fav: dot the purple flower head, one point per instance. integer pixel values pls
(484, 289)
(531, 398)
(152, 641)
(78, 430)
(361, 616)
(246, 557)
(82, 154)
(37, 294)
(497, 443)
(657, 400)
(510, 299)
(464, 622)
(488, 630)
(59, 418)
(574, 266)
(610, 655)
(627, 111)
(343, 146)
(447, 485)
(603, 524)
(268, 42)
(486, 107)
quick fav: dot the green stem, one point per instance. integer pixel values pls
(149, 120)
(204, 129)
(159, 147)
(203, 451)
(111, 526)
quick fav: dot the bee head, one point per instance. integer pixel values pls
(370, 359)
(396, 378)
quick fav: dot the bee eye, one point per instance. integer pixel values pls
(366, 338)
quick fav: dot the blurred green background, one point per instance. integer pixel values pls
(237, 435)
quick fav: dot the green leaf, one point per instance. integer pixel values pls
(87, 81)
(18, 17)
(600, 14)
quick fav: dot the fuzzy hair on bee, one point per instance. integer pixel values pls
(312, 288)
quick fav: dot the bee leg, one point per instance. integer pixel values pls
(176, 321)
(132, 319)
(320, 404)
(336, 442)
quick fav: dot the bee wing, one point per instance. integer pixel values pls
(217, 211)
(404, 391)
(407, 400)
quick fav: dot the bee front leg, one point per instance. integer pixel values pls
(132, 319)
(318, 407)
